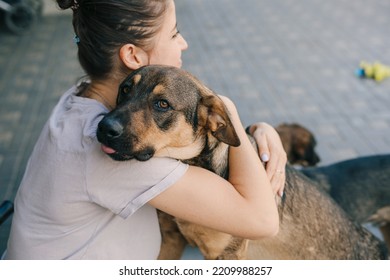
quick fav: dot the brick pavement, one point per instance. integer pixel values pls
(280, 61)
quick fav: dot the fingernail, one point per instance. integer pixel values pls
(264, 157)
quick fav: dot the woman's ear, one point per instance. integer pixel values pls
(133, 57)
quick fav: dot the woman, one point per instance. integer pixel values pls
(76, 203)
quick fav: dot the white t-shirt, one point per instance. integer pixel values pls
(75, 202)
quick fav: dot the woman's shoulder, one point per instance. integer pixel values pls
(75, 118)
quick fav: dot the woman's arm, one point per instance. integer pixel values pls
(271, 152)
(243, 206)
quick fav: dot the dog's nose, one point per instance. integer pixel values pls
(109, 128)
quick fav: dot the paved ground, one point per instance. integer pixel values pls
(280, 61)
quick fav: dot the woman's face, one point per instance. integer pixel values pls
(169, 43)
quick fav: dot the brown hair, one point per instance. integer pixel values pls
(103, 26)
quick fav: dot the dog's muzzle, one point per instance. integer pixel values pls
(109, 129)
(111, 134)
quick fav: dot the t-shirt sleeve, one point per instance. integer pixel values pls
(125, 186)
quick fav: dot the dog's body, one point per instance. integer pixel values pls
(361, 186)
(351, 182)
(196, 129)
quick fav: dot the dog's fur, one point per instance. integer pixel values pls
(164, 111)
(361, 186)
(299, 144)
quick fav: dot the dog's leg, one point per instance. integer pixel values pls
(173, 242)
(236, 250)
(385, 230)
(382, 219)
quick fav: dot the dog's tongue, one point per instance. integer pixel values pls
(107, 150)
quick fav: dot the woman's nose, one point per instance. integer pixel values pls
(183, 42)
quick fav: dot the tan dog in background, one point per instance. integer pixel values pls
(299, 144)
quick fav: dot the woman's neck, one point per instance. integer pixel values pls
(103, 92)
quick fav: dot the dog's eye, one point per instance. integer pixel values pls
(162, 105)
(123, 93)
(125, 90)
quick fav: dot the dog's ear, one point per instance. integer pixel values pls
(218, 120)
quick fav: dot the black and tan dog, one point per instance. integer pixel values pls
(361, 186)
(164, 111)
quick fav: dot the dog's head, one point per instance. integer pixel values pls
(163, 111)
(299, 144)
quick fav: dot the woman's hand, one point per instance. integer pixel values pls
(272, 153)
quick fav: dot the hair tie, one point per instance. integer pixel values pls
(75, 6)
(76, 39)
